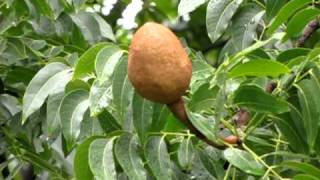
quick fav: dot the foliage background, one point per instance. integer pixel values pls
(68, 110)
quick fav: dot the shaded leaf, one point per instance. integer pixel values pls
(158, 157)
(255, 98)
(127, 153)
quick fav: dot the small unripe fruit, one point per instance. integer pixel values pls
(158, 67)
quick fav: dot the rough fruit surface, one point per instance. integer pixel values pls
(158, 67)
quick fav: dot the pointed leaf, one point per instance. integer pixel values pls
(101, 159)
(285, 12)
(85, 64)
(244, 161)
(303, 167)
(48, 80)
(260, 68)
(107, 60)
(127, 152)
(219, 14)
(81, 160)
(298, 22)
(142, 115)
(255, 98)
(186, 154)
(121, 88)
(158, 158)
(72, 109)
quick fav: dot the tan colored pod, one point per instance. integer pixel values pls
(158, 67)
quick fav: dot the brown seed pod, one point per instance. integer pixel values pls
(158, 67)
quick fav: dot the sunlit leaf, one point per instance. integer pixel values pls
(244, 161)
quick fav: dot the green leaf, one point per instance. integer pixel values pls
(101, 159)
(158, 158)
(299, 21)
(186, 154)
(289, 132)
(81, 160)
(107, 60)
(219, 14)
(273, 6)
(53, 117)
(244, 25)
(43, 7)
(160, 116)
(76, 84)
(205, 124)
(100, 96)
(85, 63)
(260, 68)
(210, 158)
(308, 91)
(72, 109)
(285, 12)
(244, 161)
(258, 100)
(305, 177)
(49, 80)
(90, 126)
(105, 28)
(142, 115)
(127, 152)
(203, 98)
(303, 167)
(121, 88)
(187, 6)
(286, 56)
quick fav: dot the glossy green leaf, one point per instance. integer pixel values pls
(160, 116)
(303, 167)
(286, 12)
(210, 159)
(127, 153)
(121, 88)
(286, 56)
(101, 159)
(77, 84)
(253, 97)
(244, 25)
(142, 115)
(85, 64)
(244, 161)
(260, 68)
(158, 158)
(299, 21)
(219, 14)
(107, 60)
(81, 160)
(49, 80)
(72, 110)
(43, 7)
(273, 7)
(304, 177)
(308, 91)
(90, 126)
(187, 6)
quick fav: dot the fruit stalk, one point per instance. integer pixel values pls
(178, 109)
